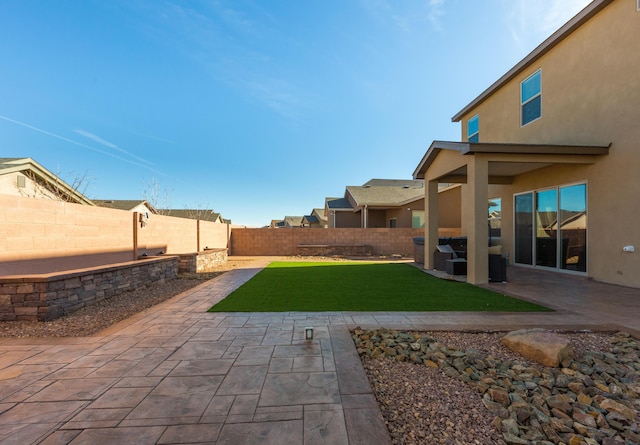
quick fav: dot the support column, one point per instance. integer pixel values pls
(136, 217)
(198, 235)
(477, 227)
(430, 222)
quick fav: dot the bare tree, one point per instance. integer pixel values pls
(156, 195)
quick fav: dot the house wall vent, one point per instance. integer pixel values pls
(638, 5)
(21, 181)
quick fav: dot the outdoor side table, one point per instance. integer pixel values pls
(457, 266)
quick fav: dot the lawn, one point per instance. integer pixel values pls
(358, 286)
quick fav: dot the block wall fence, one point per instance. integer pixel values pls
(297, 241)
(40, 236)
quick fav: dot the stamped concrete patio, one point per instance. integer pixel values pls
(177, 374)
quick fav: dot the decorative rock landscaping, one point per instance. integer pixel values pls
(590, 399)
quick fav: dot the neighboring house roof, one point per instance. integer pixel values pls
(201, 214)
(48, 180)
(394, 182)
(583, 16)
(309, 219)
(320, 214)
(338, 204)
(123, 204)
(293, 221)
(386, 195)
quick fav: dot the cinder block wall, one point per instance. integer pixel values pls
(41, 236)
(168, 234)
(286, 241)
(35, 231)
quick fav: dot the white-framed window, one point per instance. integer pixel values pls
(531, 98)
(473, 128)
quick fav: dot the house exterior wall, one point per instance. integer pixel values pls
(9, 186)
(591, 96)
(344, 219)
(377, 218)
(449, 207)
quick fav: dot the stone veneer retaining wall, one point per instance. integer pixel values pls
(45, 297)
(202, 261)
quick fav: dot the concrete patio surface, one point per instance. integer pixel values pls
(175, 374)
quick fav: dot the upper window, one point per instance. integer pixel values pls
(473, 129)
(531, 98)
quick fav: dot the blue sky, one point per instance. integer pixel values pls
(257, 109)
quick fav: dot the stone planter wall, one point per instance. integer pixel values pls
(204, 261)
(45, 297)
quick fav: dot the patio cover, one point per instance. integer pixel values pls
(479, 165)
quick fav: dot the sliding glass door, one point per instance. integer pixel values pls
(546, 230)
(550, 228)
(524, 228)
(573, 227)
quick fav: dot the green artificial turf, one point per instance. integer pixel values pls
(357, 286)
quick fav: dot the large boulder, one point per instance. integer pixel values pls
(545, 347)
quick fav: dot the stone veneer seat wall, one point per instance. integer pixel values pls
(45, 297)
(204, 261)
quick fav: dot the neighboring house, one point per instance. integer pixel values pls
(378, 203)
(317, 219)
(388, 203)
(555, 145)
(276, 224)
(142, 207)
(201, 214)
(292, 221)
(340, 213)
(25, 177)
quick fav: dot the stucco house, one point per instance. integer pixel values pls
(555, 144)
(25, 177)
(392, 203)
(378, 203)
(316, 220)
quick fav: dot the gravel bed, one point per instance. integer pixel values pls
(429, 403)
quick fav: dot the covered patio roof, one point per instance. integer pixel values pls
(477, 166)
(508, 160)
